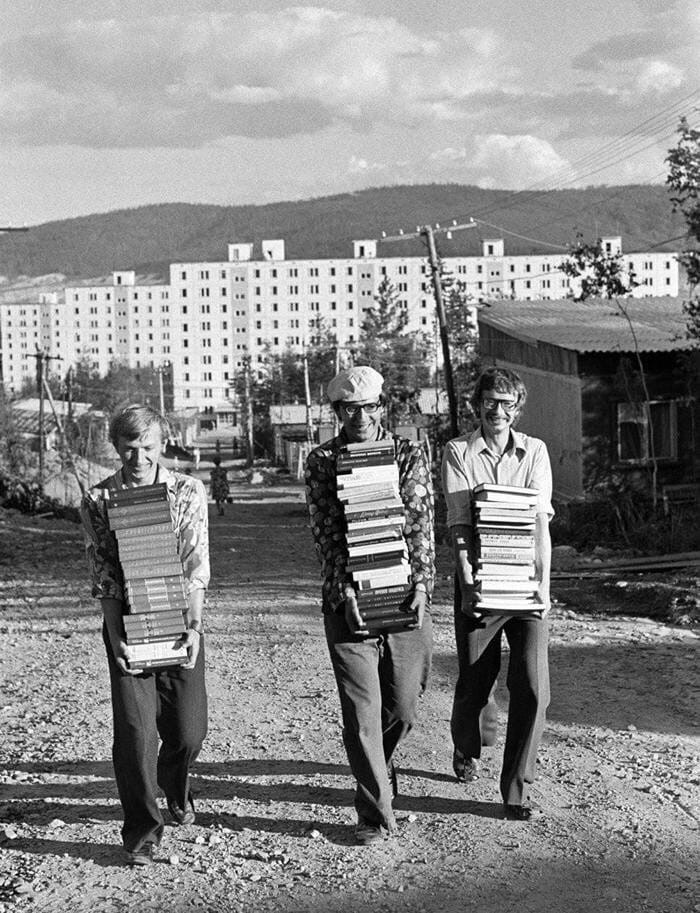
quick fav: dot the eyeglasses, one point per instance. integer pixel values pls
(508, 405)
(353, 408)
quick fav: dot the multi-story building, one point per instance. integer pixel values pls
(209, 316)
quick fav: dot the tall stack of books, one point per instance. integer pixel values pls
(153, 582)
(504, 524)
(368, 488)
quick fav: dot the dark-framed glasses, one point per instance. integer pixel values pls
(508, 405)
(353, 408)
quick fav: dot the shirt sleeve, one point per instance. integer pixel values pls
(541, 479)
(456, 486)
(416, 487)
(101, 549)
(193, 535)
(327, 524)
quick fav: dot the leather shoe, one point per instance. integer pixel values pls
(366, 832)
(143, 855)
(521, 813)
(180, 817)
(466, 769)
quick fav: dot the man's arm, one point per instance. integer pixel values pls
(416, 486)
(543, 559)
(194, 554)
(327, 523)
(463, 547)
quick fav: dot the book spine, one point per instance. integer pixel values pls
(141, 532)
(379, 581)
(402, 620)
(168, 637)
(119, 499)
(119, 523)
(368, 562)
(153, 551)
(140, 567)
(159, 617)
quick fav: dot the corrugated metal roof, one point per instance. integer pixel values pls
(595, 325)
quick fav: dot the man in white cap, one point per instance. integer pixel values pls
(379, 677)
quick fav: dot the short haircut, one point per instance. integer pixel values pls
(133, 421)
(498, 380)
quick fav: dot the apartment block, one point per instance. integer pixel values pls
(209, 316)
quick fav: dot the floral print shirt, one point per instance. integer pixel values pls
(188, 508)
(328, 520)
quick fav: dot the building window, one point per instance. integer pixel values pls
(635, 437)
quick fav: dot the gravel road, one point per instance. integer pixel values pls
(618, 774)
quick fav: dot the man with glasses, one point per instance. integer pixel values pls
(496, 453)
(379, 677)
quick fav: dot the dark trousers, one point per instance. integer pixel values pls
(170, 704)
(474, 711)
(380, 680)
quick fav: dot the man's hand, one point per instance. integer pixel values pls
(353, 619)
(191, 640)
(470, 606)
(543, 596)
(418, 604)
(120, 649)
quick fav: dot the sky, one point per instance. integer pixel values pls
(109, 105)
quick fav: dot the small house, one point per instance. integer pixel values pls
(612, 388)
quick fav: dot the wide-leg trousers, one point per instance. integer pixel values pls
(474, 710)
(380, 680)
(170, 705)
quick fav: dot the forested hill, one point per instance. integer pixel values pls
(148, 238)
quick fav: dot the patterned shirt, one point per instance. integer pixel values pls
(468, 462)
(328, 525)
(188, 508)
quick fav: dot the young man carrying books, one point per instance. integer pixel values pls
(167, 701)
(372, 523)
(498, 455)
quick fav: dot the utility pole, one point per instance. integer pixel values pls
(41, 358)
(249, 412)
(307, 400)
(427, 233)
(160, 390)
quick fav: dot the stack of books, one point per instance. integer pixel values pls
(153, 583)
(504, 524)
(368, 488)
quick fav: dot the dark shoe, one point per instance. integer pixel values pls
(466, 769)
(522, 813)
(393, 779)
(142, 856)
(366, 832)
(179, 817)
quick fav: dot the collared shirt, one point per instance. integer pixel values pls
(188, 508)
(467, 462)
(328, 525)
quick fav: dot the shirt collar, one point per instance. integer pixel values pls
(163, 474)
(517, 443)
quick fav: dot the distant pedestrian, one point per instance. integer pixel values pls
(197, 457)
(380, 677)
(169, 702)
(218, 481)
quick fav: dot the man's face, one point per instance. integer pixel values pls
(498, 410)
(361, 421)
(140, 456)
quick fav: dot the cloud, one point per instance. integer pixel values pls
(358, 165)
(515, 162)
(189, 79)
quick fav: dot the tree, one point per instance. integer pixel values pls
(684, 180)
(464, 343)
(604, 275)
(402, 358)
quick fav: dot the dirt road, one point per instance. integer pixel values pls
(618, 776)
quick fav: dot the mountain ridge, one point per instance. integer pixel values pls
(148, 238)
